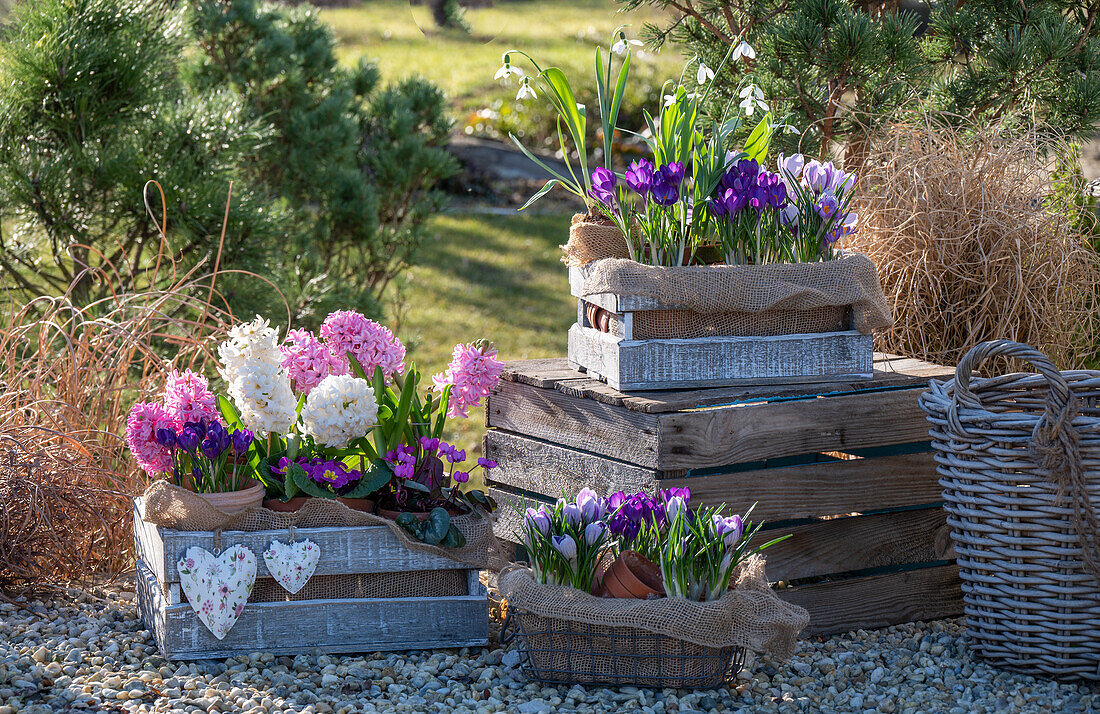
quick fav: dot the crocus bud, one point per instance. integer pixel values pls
(565, 545)
(538, 520)
(590, 505)
(675, 508)
(616, 500)
(791, 164)
(731, 529)
(166, 438)
(594, 533)
(189, 439)
(573, 514)
(242, 439)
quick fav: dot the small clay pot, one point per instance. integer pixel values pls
(365, 505)
(420, 515)
(632, 576)
(598, 317)
(251, 496)
(289, 506)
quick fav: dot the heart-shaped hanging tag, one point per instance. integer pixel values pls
(292, 564)
(217, 586)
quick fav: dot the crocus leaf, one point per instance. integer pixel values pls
(541, 192)
(617, 97)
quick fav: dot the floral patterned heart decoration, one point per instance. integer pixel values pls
(292, 564)
(218, 586)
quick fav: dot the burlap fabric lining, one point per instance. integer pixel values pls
(589, 240)
(173, 507)
(763, 290)
(749, 615)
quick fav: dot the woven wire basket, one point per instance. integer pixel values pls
(1019, 460)
(558, 651)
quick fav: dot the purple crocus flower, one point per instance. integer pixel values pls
(639, 176)
(728, 529)
(594, 533)
(791, 165)
(189, 439)
(827, 207)
(573, 514)
(675, 507)
(217, 433)
(211, 449)
(565, 545)
(668, 493)
(637, 508)
(625, 528)
(664, 193)
(616, 500)
(603, 186)
(242, 439)
(815, 177)
(777, 192)
(717, 208)
(673, 173)
(538, 519)
(167, 438)
(589, 502)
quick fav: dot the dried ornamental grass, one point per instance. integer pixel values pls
(972, 244)
(68, 377)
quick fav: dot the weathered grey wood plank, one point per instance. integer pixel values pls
(843, 545)
(360, 549)
(708, 438)
(821, 489)
(879, 600)
(890, 371)
(552, 469)
(359, 625)
(509, 522)
(720, 361)
(583, 424)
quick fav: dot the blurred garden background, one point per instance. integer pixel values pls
(367, 145)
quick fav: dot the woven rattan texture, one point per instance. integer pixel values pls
(558, 651)
(1019, 461)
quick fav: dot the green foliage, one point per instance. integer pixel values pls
(90, 109)
(838, 66)
(357, 164)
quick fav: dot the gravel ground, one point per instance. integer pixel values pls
(92, 653)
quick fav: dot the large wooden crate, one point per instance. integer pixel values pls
(627, 361)
(846, 467)
(446, 607)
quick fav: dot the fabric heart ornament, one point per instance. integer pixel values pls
(292, 564)
(218, 586)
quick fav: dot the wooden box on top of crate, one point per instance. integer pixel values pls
(845, 466)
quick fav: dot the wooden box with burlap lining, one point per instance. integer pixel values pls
(639, 341)
(846, 467)
(369, 593)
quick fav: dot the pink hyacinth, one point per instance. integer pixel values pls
(474, 371)
(307, 361)
(141, 436)
(373, 345)
(187, 397)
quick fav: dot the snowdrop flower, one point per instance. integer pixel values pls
(526, 90)
(622, 44)
(751, 98)
(705, 73)
(507, 70)
(339, 409)
(744, 50)
(670, 99)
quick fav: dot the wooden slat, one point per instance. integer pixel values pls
(349, 625)
(344, 550)
(717, 437)
(824, 489)
(843, 545)
(630, 365)
(879, 600)
(890, 371)
(509, 522)
(552, 470)
(578, 423)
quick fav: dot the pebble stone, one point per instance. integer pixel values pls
(89, 654)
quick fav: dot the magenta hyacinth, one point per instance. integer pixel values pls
(371, 344)
(474, 371)
(141, 436)
(187, 397)
(307, 360)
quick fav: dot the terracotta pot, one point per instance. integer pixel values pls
(274, 504)
(420, 515)
(632, 576)
(365, 505)
(598, 317)
(251, 496)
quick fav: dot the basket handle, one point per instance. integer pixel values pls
(1054, 440)
(509, 628)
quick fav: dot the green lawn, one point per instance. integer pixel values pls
(484, 276)
(563, 33)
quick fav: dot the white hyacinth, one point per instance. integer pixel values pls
(339, 409)
(256, 383)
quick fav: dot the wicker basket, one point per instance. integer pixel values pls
(557, 651)
(1019, 461)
